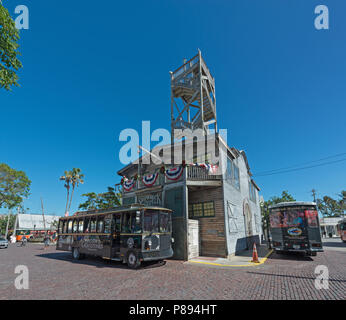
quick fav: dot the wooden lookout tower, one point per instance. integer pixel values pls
(193, 103)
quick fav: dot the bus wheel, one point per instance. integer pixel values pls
(75, 254)
(132, 260)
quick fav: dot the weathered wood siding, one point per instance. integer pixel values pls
(211, 230)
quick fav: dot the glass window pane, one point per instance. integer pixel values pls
(93, 225)
(65, 226)
(107, 224)
(69, 229)
(197, 210)
(209, 209)
(100, 223)
(80, 226)
(86, 224)
(136, 222)
(311, 217)
(75, 225)
(126, 228)
(164, 222)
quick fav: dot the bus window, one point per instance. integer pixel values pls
(136, 222)
(126, 227)
(65, 227)
(293, 218)
(93, 225)
(117, 219)
(276, 220)
(311, 217)
(75, 226)
(86, 224)
(164, 222)
(107, 224)
(100, 224)
(151, 221)
(69, 228)
(61, 223)
(80, 226)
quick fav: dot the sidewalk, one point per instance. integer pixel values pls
(241, 259)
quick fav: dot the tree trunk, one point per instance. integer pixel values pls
(68, 194)
(69, 207)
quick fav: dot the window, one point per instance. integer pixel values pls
(126, 227)
(100, 223)
(117, 220)
(197, 210)
(236, 177)
(293, 218)
(208, 209)
(107, 224)
(75, 226)
(165, 223)
(275, 219)
(69, 228)
(64, 226)
(86, 224)
(311, 217)
(80, 226)
(232, 174)
(202, 209)
(61, 223)
(151, 221)
(229, 173)
(93, 225)
(136, 222)
(252, 191)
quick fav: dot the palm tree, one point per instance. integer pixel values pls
(74, 178)
(67, 178)
(77, 178)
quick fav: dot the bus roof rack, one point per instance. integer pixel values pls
(292, 204)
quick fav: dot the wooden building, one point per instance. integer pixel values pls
(216, 207)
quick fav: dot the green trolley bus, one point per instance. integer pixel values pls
(130, 234)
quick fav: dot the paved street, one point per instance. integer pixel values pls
(54, 275)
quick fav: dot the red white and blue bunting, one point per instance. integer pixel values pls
(129, 184)
(174, 173)
(150, 179)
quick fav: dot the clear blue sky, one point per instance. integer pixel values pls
(92, 69)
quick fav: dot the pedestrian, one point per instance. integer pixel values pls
(23, 241)
(46, 241)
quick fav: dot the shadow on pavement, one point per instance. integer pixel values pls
(334, 244)
(292, 276)
(297, 256)
(98, 261)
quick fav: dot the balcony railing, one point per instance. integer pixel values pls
(197, 173)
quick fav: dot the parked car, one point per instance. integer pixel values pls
(3, 243)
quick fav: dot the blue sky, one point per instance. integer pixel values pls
(92, 69)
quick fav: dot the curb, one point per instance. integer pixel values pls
(251, 264)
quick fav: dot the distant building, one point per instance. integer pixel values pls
(33, 224)
(328, 225)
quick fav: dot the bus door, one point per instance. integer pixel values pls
(115, 238)
(313, 228)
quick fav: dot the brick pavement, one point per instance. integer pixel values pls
(54, 275)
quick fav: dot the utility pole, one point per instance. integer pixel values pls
(15, 225)
(44, 222)
(313, 191)
(8, 222)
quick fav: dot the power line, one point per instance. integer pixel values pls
(302, 168)
(301, 164)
